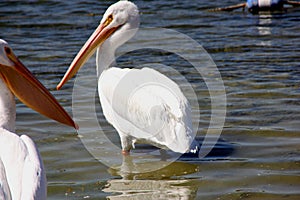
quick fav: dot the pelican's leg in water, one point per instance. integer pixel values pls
(126, 142)
(163, 154)
(125, 153)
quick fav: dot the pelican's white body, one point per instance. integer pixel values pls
(145, 106)
(22, 174)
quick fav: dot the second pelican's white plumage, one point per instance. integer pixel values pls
(143, 105)
(22, 174)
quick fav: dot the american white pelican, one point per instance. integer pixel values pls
(22, 175)
(154, 111)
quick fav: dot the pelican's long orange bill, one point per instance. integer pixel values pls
(96, 39)
(31, 92)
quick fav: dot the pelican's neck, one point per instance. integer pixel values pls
(105, 58)
(7, 108)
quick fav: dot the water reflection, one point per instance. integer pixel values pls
(152, 189)
(264, 24)
(140, 178)
(151, 185)
(264, 28)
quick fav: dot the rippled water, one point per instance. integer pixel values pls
(258, 57)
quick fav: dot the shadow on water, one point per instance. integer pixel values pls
(169, 182)
(221, 150)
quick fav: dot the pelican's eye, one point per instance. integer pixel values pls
(108, 20)
(7, 50)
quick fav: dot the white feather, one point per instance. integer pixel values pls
(23, 167)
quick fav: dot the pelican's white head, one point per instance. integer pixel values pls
(119, 23)
(124, 16)
(16, 79)
(121, 12)
(4, 50)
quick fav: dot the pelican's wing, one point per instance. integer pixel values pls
(23, 166)
(148, 106)
(33, 172)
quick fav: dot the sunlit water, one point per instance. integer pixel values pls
(258, 57)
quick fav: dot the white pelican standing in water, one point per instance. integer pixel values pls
(158, 114)
(22, 175)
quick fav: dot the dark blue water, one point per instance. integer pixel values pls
(257, 56)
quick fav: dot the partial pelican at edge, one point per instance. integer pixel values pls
(22, 174)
